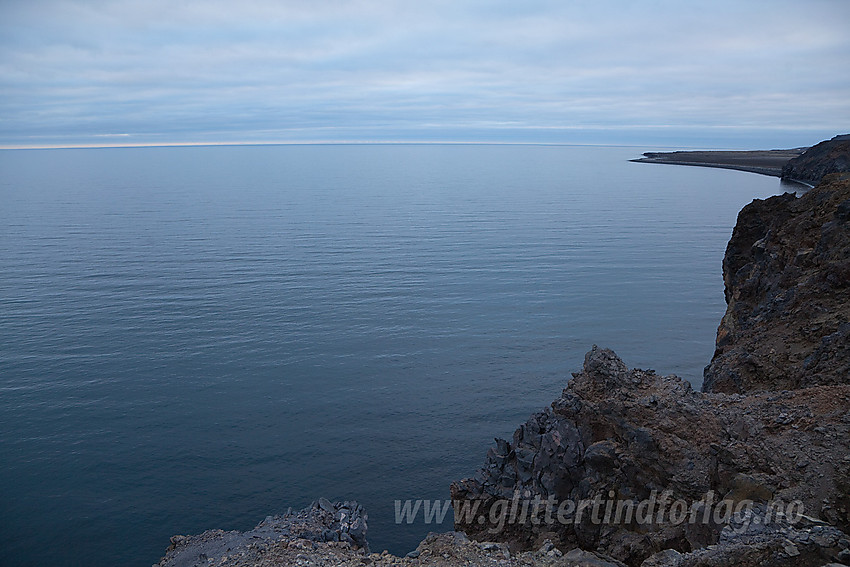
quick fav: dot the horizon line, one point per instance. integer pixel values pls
(326, 143)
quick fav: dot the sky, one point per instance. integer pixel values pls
(725, 74)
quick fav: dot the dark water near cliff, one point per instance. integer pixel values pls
(194, 338)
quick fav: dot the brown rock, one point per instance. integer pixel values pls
(787, 278)
(617, 434)
(830, 156)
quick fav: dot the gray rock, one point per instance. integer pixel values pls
(315, 524)
(581, 558)
(326, 505)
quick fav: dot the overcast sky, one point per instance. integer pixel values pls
(712, 74)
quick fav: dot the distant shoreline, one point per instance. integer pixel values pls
(764, 162)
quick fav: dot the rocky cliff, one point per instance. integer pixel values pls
(830, 156)
(619, 435)
(787, 283)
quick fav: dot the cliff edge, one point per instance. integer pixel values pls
(786, 273)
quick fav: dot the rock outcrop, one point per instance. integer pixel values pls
(339, 527)
(618, 435)
(787, 278)
(316, 537)
(777, 544)
(831, 156)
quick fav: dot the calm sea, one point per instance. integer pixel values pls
(196, 338)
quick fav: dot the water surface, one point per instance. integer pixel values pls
(195, 338)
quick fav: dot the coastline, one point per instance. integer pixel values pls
(763, 162)
(771, 429)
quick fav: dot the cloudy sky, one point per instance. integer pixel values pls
(710, 74)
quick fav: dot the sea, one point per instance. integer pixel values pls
(200, 337)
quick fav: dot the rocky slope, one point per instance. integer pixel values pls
(338, 527)
(280, 546)
(830, 156)
(620, 434)
(787, 278)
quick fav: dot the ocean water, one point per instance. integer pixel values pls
(196, 338)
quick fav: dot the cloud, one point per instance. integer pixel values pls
(72, 71)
